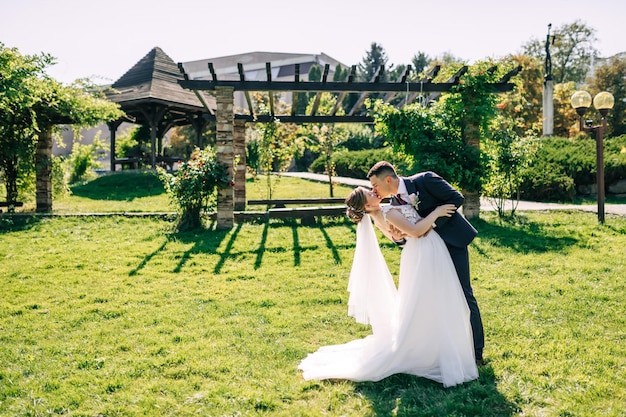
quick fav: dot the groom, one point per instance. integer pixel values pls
(430, 191)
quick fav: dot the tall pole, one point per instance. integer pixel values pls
(603, 102)
(548, 89)
(600, 167)
(599, 136)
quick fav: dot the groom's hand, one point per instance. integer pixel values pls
(397, 235)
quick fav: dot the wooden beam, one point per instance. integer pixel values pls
(294, 95)
(430, 75)
(332, 86)
(507, 77)
(343, 94)
(266, 118)
(242, 77)
(212, 71)
(364, 94)
(201, 99)
(268, 71)
(452, 81)
(316, 102)
(181, 68)
(401, 80)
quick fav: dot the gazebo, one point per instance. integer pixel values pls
(150, 94)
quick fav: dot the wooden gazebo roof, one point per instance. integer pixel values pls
(151, 85)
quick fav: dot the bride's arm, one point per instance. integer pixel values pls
(382, 225)
(422, 226)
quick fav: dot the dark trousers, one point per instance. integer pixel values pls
(460, 258)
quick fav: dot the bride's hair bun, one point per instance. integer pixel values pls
(356, 204)
(354, 214)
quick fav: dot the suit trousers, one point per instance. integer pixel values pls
(460, 258)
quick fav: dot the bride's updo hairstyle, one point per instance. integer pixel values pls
(356, 201)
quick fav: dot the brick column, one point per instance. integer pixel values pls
(225, 154)
(239, 145)
(471, 206)
(43, 166)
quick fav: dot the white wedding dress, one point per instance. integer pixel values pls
(422, 328)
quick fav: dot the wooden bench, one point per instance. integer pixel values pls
(168, 161)
(11, 205)
(278, 209)
(130, 163)
(162, 161)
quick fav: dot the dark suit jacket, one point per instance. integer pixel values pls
(435, 191)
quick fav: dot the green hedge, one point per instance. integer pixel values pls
(562, 165)
(356, 164)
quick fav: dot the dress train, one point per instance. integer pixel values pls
(422, 328)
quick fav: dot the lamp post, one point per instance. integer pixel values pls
(603, 102)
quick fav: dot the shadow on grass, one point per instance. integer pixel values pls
(122, 186)
(297, 247)
(17, 222)
(522, 235)
(406, 395)
(203, 240)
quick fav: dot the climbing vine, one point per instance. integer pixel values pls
(444, 136)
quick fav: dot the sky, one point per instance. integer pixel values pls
(101, 40)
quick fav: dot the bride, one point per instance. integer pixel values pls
(421, 328)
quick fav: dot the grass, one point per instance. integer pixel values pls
(142, 191)
(120, 316)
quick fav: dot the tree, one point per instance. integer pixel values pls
(572, 52)
(565, 117)
(302, 98)
(373, 60)
(193, 188)
(420, 62)
(609, 76)
(32, 105)
(19, 77)
(523, 106)
(508, 155)
(340, 74)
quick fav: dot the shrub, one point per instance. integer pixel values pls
(193, 188)
(615, 159)
(562, 165)
(356, 164)
(547, 181)
(84, 158)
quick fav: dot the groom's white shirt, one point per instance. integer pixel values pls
(402, 190)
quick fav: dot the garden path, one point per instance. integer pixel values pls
(486, 205)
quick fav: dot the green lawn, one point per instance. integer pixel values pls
(143, 192)
(121, 316)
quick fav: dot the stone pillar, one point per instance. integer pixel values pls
(43, 167)
(471, 206)
(548, 107)
(239, 145)
(225, 153)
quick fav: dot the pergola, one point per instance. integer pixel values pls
(230, 125)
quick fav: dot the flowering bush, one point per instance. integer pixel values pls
(193, 188)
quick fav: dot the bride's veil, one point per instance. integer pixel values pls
(371, 286)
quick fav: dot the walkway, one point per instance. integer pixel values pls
(485, 204)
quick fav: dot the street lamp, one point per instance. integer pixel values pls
(603, 102)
